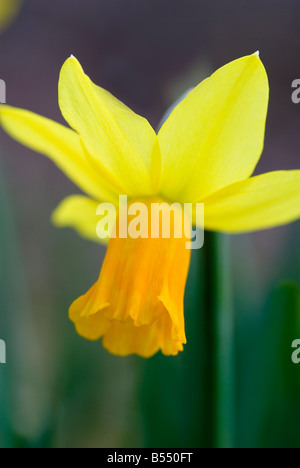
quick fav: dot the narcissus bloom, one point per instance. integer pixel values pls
(205, 152)
(8, 9)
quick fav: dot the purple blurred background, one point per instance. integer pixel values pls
(147, 52)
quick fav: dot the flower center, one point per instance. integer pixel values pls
(137, 303)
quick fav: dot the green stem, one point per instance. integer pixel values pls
(219, 325)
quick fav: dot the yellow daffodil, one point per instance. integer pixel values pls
(205, 152)
(8, 9)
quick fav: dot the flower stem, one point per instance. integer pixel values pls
(219, 323)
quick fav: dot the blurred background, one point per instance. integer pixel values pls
(57, 390)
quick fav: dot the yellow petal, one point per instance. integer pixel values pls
(8, 10)
(80, 213)
(214, 137)
(123, 339)
(117, 139)
(61, 144)
(137, 303)
(260, 202)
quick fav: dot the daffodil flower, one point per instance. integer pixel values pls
(8, 10)
(205, 152)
